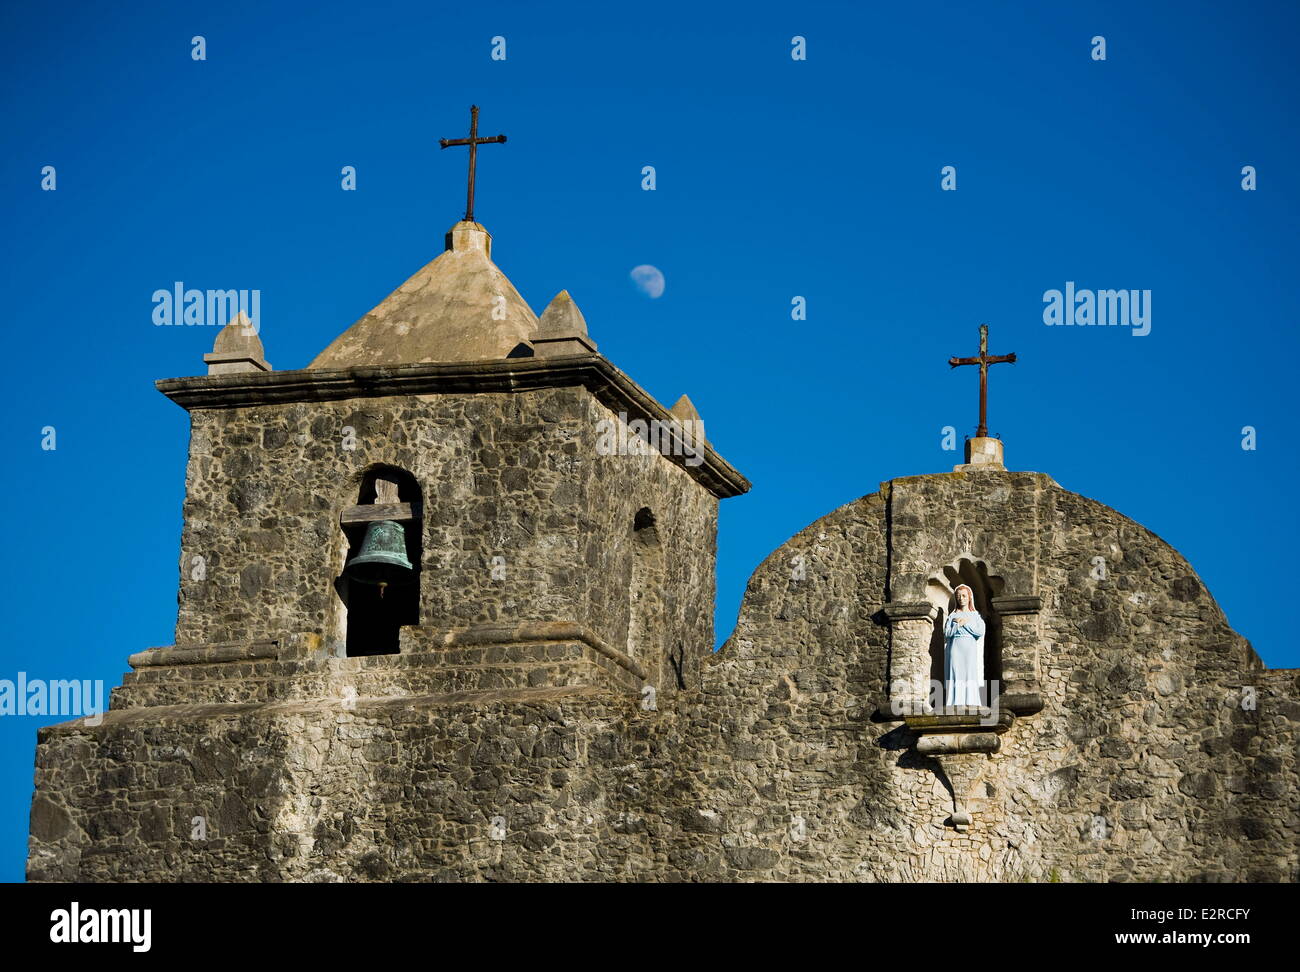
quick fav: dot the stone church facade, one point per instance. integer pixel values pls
(537, 698)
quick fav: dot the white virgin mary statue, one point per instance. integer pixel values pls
(963, 670)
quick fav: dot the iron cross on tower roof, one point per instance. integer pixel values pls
(984, 360)
(473, 142)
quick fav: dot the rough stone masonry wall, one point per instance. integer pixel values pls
(686, 524)
(515, 476)
(524, 786)
(1143, 728)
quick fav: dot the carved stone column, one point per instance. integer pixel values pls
(1022, 691)
(911, 626)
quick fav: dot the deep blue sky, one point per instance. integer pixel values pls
(776, 178)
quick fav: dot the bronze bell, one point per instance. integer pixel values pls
(382, 559)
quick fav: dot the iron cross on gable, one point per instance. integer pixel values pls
(473, 142)
(984, 360)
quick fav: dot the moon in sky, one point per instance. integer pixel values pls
(648, 280)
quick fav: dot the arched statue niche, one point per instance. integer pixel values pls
(940, 590)
(379, 584)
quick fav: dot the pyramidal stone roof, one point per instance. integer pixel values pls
(458, 326)
(460, 307)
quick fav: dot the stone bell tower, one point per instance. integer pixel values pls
(558, 527)
(451, 410)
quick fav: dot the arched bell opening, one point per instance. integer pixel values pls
(941, 592)
(379, 583)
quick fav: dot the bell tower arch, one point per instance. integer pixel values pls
(378, 585)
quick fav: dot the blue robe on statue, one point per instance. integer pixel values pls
(963, 673)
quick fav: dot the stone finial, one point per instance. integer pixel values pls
(562, 316)
(237, 349)
(689, 417)
(983, 452)
(562, 329)
(465, 237)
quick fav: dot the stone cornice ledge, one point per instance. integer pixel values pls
(611, 387)
(1012, 604)
(211, 654)
(496, 634)
(413, 639)
(910, 611)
